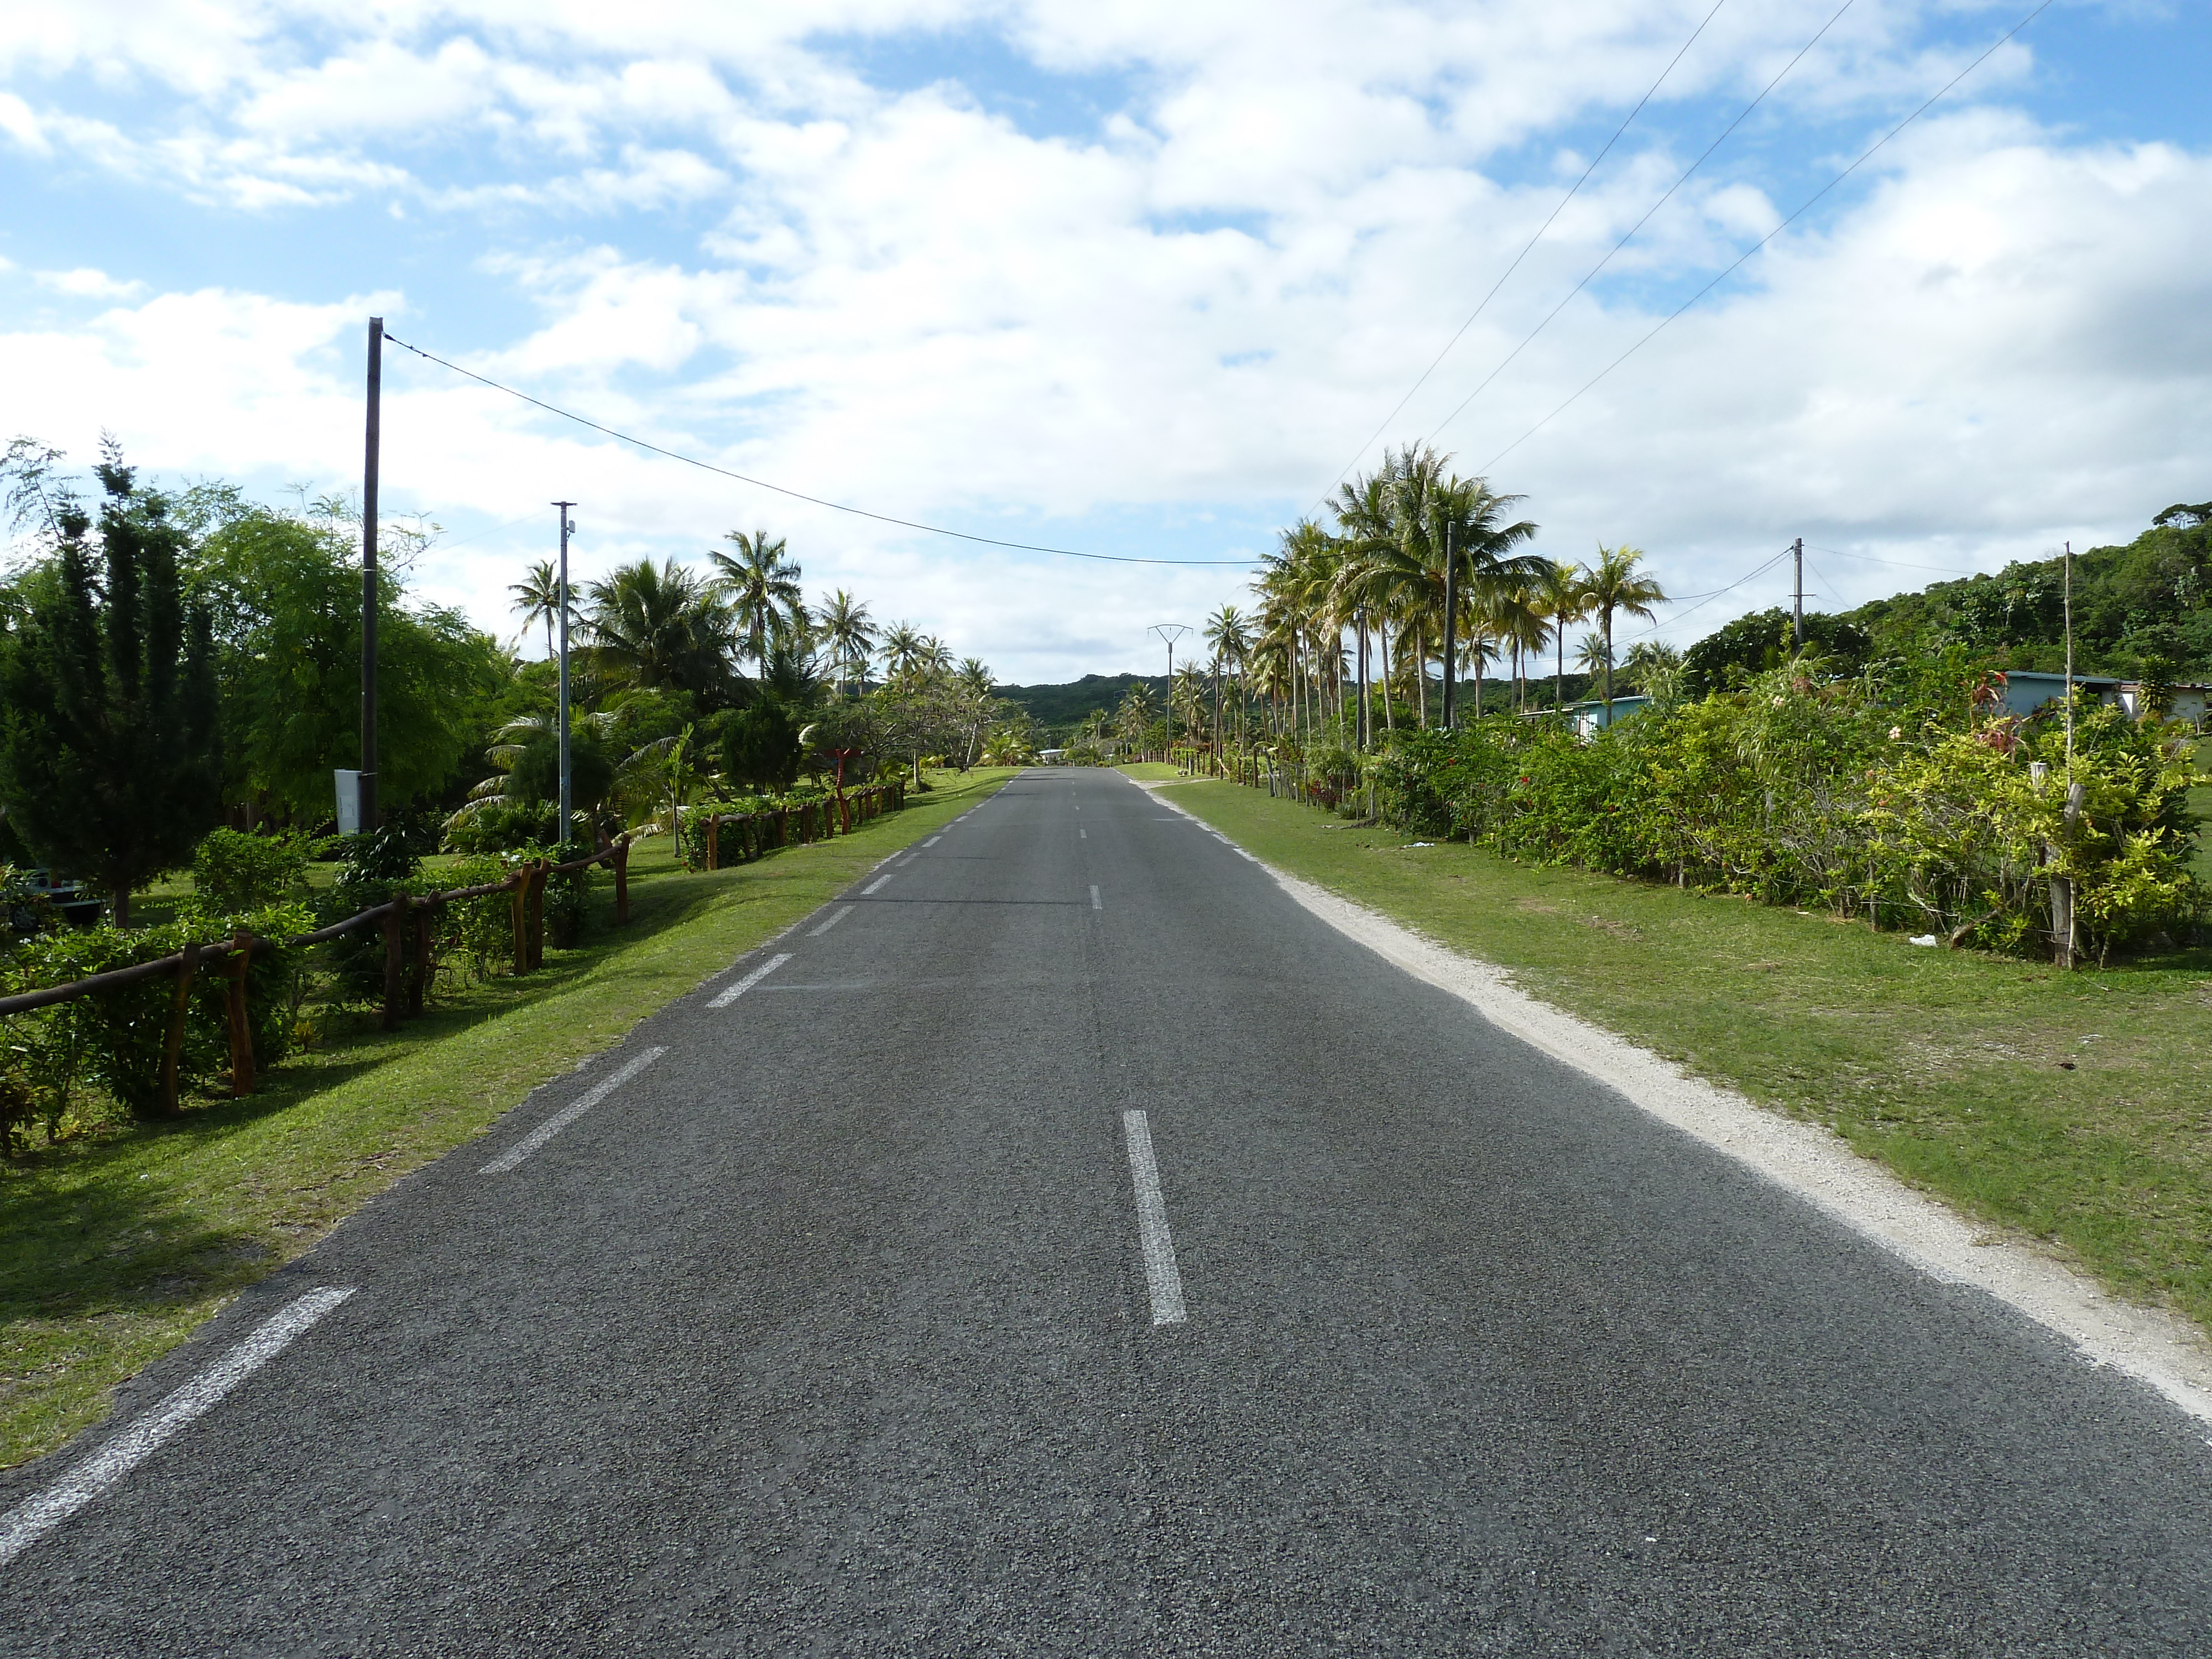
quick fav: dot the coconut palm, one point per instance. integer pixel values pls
(904, 649)
(1228, 634)
(1560, 590)
(657, 625)
(762, 585)
(1614, 585)
(538, 596)
(851, 637)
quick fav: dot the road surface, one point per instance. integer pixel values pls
(1065, 1243)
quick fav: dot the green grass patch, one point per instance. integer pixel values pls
(1951, 1068)
(114, 1248)
(1151, 771)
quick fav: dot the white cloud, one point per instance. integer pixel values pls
(86, 283)
(911, 303)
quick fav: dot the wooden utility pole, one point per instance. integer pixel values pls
(567, 805)
(1451, 628)
(1797, 599)
(368, 577)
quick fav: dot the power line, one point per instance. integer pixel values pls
(1806, 207)
(1901, 564)
(1708, 599)
(796, 495)
(1591, 276)
(1530, 247)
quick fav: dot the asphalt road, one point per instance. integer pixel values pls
(838, 1328)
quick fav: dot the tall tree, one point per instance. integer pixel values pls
(1559, 590)
(537, 596)
(761, 581)
(110, 750)
(658, 625)
(850, 636)
(1614, 585)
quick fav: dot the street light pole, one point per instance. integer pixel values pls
(567, 804)
(1169, 633)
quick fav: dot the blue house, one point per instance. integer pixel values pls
(1591, 718)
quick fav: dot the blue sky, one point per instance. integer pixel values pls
(1131, 279)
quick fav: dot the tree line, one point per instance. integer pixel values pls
(174, 660)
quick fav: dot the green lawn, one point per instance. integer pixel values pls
(1151, 771)
(1950, 1067)
(114, 1248)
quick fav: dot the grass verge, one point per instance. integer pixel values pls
(2069, 1108)
(1151, 771)
(115, 1248)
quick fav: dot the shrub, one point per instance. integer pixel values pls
(231, 872)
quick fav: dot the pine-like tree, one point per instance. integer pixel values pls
(111, 757)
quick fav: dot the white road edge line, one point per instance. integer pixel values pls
(873, 885)
(2157, 1348)
(932, 840)
(1095, 904)
(836, 916)
(1161, 1278)
(513, 1156)
(34, 1517)
(723, 998)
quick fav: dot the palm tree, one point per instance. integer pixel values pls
(1230, 637)
(1593, 656)
(849, 634)
(903, 650)
(1655, 668)
(649, 625)
(1560, 590)
(538, 595)
(1612, 585)
(762, 585)
(1519, 613)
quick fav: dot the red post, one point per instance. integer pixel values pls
(172, 1041)
(242, 1027)
(395, 922)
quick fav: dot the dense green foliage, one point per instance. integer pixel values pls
(2141, 610)
(1867, 795)
(110, 753)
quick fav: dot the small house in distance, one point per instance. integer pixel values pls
(1593, 717)
(2027, 689)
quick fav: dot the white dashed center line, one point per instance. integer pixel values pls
(1095, 904)
(836, 916)
(873, 885)
(1161, 1277)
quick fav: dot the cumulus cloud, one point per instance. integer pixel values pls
(1163, 330)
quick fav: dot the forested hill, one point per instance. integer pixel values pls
(2142, 611)
(2143, 601)
(1060, 707)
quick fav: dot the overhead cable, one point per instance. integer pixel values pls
(1744, 115)
(1530, 247)
(1807, 207)
(797, 495)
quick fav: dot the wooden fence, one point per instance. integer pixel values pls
(403, 991)
(754, 835)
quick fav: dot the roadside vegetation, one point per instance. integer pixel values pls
(2067, 1108)
(117, 1243)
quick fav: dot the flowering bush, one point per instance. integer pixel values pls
(1906, 801)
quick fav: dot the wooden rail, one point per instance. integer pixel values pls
(403, 992)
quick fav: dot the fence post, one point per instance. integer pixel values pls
(521, 903)
(622, 880)
(714, 841)
(537, 914)
(242, 1028)
(418, 984)
(172, 1041)
(395, 922)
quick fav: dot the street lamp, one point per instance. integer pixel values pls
(1169, 633)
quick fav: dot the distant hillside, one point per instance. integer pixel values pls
(1060, 708)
